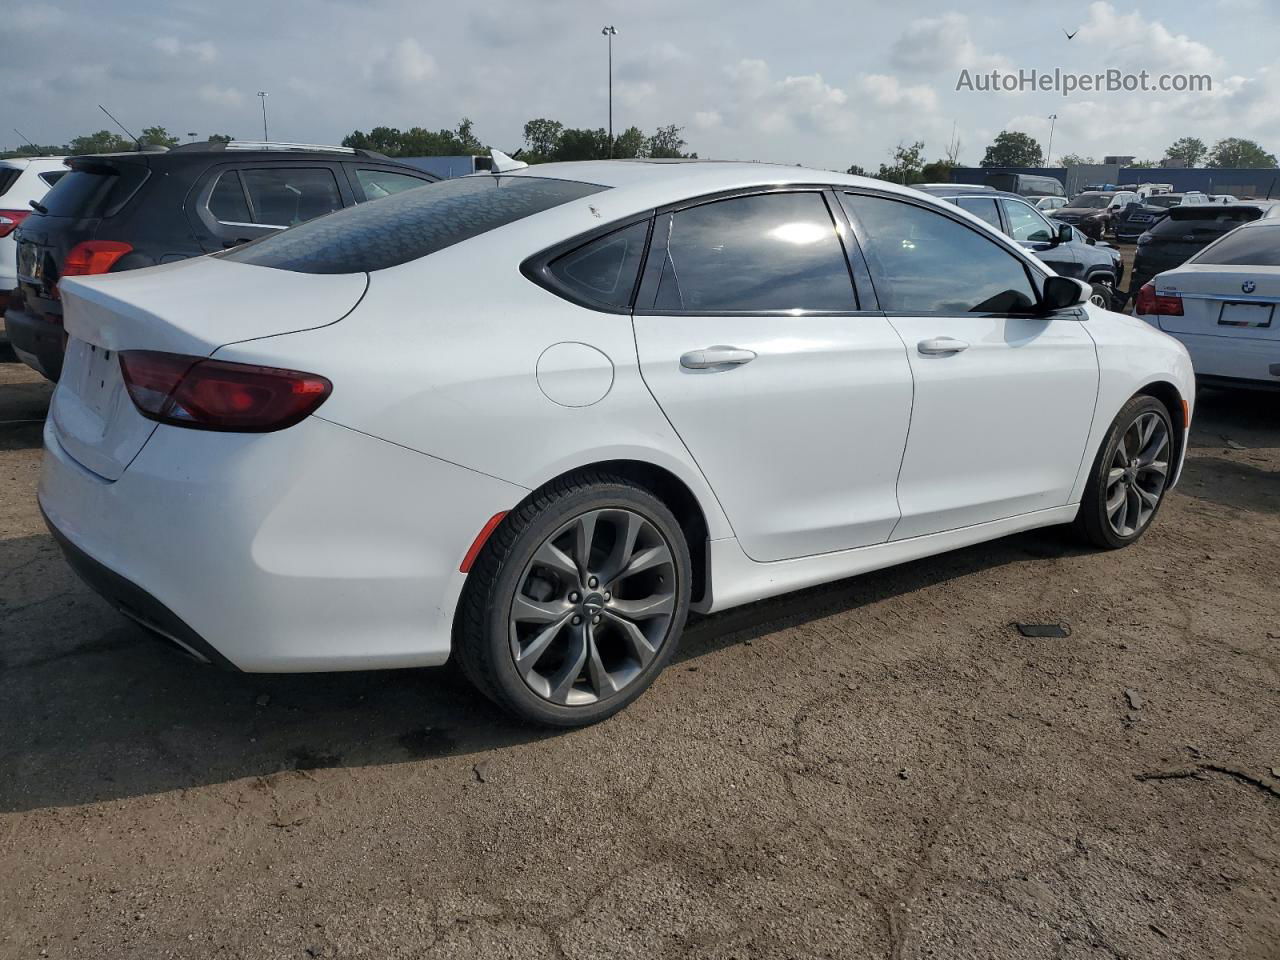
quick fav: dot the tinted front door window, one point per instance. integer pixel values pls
(924, 262)
(770, 252)
(1025, 224)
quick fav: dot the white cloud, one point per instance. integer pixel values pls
(933, 44)
(203, 50)
(221, 96)
(1135, 41)
(888, 91)
(707, 119)
(404, 68)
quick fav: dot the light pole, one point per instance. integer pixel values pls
(262, 95)
(610, 33)
(1053, 119)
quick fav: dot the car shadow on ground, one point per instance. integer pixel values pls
(93, 708)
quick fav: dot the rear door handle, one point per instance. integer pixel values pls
(941, 346)
(718, 356)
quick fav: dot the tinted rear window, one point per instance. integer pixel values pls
(409, 225)
(1204, 220)
(1255, 247)
(8, 177)
(97, 191)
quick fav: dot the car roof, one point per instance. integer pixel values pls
(967, 190)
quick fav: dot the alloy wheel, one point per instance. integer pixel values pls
(1138, 474)
(593, 608)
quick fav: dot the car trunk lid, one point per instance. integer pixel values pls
(177, 308)
(1224, 301)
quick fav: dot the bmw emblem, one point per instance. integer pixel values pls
(1248, 286)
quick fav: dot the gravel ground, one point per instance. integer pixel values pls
(882, 767)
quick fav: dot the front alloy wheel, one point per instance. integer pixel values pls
(1130, 475)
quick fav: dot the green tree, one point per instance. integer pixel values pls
(1234, 152)
(630, 143)
(1013, 149)
(937, 172)
(104, 141)
(857, 171)
(158, 137)
(1190, 150)
(542, 139)
(35, 150)
(220, 138)
(576, 144)
(1074, 160)
(667, 142)
(418, 141)
(908, 161)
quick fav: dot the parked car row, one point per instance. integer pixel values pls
(1186, 230)
(117, 212)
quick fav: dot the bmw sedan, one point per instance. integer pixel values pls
(531, 419)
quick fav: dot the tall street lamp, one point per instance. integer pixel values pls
(262, 95)
(1053, 119)
(610, 32)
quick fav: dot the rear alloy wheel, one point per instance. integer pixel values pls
(577, 602)
(1130, 475)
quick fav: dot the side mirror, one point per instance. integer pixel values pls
(1063, 292)
(1065, 234)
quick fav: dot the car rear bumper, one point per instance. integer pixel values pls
(38, 342)
(313, 548)
(1232, 360)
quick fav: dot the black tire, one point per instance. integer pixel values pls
(1092, 524)
(1104, 289)
(483, 642)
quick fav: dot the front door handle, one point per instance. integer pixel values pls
(941, 346)
(718, 356)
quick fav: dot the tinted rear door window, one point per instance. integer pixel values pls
(8, 177)
(770, 252)
(409, 224)
(924, 262)
(227, 202)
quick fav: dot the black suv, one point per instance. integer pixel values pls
(1064, 248)
(123, 211)
(1187, 230)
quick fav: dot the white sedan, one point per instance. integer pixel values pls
(532, 418)
(1224, 305)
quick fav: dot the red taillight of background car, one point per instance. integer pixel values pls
(208, 394)
(11, 220)
(93, 257)
(1158, 304)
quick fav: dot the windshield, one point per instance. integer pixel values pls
(408, 225)
(1092, 200)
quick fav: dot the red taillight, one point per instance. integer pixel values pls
(1151, 303)
(11, 220)
(93, 256)
(217, 395)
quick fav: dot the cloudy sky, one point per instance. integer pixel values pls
(824, 84)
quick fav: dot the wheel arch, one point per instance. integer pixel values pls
(1177, 405)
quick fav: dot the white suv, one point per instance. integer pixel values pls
(22, 179)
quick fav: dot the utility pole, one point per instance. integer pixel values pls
(1053, 119)
(610, 33)
(262, 95)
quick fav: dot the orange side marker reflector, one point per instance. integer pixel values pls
(481, 538)
(1186, 414)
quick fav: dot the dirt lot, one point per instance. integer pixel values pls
(882, 767)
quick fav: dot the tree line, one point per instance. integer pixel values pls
(104, 141)
(544, 141)
(1013, 149)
